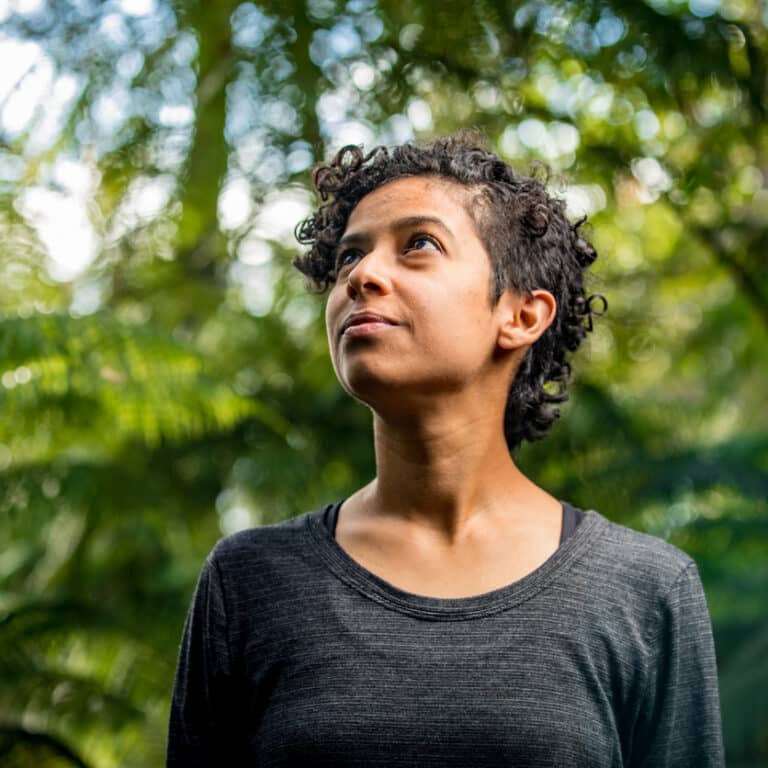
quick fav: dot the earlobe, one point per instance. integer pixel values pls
(525, 317)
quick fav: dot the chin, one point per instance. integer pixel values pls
(393, 395)
(368, 387)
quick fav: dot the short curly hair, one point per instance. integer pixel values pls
(531, 243)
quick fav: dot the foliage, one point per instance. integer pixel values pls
(173, 384)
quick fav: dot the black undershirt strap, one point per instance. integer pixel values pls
(572, 516)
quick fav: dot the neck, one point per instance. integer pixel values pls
(446, 469)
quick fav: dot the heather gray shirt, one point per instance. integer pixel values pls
(295, 655)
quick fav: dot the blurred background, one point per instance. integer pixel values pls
(164, 377)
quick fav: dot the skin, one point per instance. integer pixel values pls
(448, 513)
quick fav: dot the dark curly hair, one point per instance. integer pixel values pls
(531, 243)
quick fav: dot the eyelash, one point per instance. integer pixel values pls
(356, 251)
(423, 236)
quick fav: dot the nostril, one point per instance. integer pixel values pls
(366, 279)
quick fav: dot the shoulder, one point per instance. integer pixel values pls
(261, 538)
(640, 557)
(266, 556)
(263, 546)
(635, 575)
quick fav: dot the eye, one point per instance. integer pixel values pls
(423, 243)
(348, 257)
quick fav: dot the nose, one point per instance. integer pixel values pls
(370, 275)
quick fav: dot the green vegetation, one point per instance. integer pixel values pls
(164, 376)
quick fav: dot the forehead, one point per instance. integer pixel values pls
(414, 196)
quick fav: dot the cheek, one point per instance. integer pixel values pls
(328, 322)
(465, 326)
(465, 308)
(331, 312)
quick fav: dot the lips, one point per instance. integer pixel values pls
(363, 318)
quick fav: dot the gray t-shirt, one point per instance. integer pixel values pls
(295, 655)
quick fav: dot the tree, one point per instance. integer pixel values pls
(176, 384)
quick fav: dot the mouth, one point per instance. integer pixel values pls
(362, 323)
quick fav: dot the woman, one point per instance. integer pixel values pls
(451, 612)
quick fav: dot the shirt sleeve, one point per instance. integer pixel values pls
(202, 720)
(679, 719)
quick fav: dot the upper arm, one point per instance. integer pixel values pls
(678, 722)
(203, 704)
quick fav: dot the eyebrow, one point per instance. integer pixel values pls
(405, 223)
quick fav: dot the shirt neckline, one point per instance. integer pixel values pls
(383, 592)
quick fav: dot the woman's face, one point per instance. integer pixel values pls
(411, 310)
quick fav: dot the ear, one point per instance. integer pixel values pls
(525, 316)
